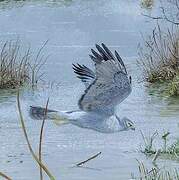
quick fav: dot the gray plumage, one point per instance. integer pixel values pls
(106, 87)
(109, 87)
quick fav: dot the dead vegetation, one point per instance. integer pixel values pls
(147, 4)
(38, 159)
(35, 157)
(19, 67)
(159, 55)
(159, 59)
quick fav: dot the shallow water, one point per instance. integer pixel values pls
(72, 28)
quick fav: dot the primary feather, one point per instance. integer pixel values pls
(84, 73)
(110, 84)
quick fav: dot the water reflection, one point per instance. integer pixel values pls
(7, 95)
(169, 105)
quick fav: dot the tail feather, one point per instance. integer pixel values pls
(39, 113)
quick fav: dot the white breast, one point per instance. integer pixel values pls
(95, 122)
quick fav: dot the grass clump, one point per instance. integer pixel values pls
(165, 151)
(174, 148)
(18, 66)
(159, 60)
(148, 143)
(173, 87)
(155, 173)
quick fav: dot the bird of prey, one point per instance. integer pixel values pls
(106, 87)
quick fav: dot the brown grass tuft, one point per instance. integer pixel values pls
(159, 59)
(18, 67)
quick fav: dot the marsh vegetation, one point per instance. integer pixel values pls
(166, 150)
(159, 57)
(18, 66)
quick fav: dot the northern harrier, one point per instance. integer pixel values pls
(106, 87)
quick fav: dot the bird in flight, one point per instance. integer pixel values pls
(105, 87)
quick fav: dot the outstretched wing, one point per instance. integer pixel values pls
(85, 74)
(111, 85)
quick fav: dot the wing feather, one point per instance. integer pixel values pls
(120, 61)
(85, 74)
(111, 85)
(104, 54)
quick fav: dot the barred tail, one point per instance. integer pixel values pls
(39, 113)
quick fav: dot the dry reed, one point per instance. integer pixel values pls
(41, 136)
(5, 176)
(159, 59)
(28, 142)
(18, 66)
(89, 159)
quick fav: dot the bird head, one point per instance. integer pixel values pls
(126, 123)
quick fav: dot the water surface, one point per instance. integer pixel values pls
(73, 28)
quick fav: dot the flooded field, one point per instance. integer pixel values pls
(72, 28)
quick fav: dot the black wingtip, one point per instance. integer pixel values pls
(74, 66)
(94, 59)
(103, 45)
(97, 46)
